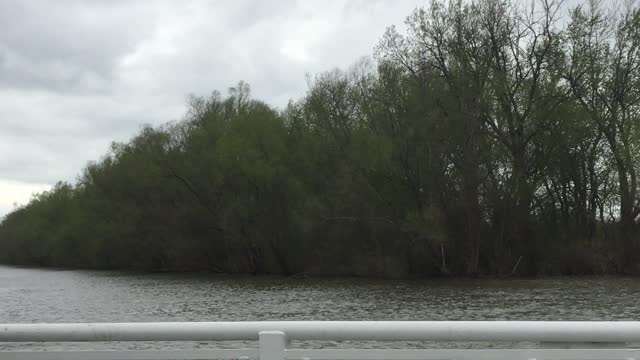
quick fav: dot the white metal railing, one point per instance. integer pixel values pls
(576, 340)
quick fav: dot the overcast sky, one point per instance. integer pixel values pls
(75, 75)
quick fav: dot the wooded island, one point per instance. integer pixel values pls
(492, 138)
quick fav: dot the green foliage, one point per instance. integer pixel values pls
(486, 136)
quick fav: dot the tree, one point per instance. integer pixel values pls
(603, 72)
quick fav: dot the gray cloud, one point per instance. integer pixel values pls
(75, 75)
(67, 45)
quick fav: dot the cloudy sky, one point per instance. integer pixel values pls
(75, 75)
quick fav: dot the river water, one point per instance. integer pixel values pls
(39, 295)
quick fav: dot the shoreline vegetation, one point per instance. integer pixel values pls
(491, 139)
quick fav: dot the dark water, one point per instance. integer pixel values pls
(35, 295)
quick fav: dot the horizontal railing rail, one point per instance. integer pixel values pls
(553, 331)
(558, 340)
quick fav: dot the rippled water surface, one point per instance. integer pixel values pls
(37, 295)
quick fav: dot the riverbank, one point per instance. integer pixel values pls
(312, 276)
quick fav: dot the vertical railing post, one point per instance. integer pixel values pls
(271, 345)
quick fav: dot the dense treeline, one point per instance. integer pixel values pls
(492, 138)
